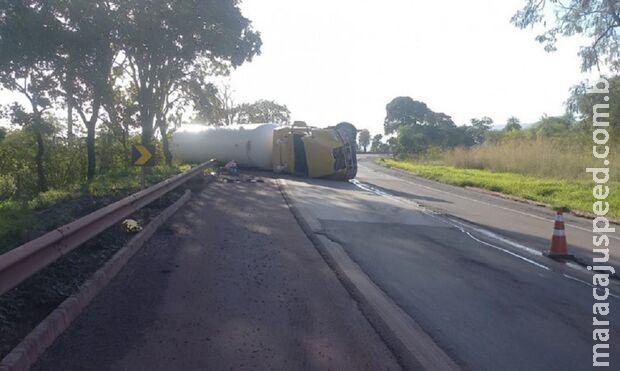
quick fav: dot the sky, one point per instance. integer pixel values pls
(331, 61)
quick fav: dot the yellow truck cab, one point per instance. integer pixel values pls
(316, 152)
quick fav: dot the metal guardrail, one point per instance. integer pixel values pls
(24, 261)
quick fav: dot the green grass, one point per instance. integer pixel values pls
(574, 194)
(128, 180)
(21, 219)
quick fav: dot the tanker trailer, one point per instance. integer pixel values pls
(298, 149)
(249, 145)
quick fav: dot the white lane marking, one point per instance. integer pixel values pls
(370, 189)
(497, 206)
(588, 284)
(459, 227)
(500, 248)
(501, 239)
(578, 267)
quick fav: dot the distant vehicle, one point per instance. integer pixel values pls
(298, 149)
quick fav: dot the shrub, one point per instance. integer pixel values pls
(46, 199)
(7, 187)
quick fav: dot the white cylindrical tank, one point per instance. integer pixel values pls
(248, 145)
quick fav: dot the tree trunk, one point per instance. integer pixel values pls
(147, 116)
(127, 151)
(166, 145)
(69, 120)
(90, 150)
(69, 99)
(91, 125)
(146, 122)
(162, 124)
(42, 180)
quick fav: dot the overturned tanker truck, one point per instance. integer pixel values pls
(298, 150)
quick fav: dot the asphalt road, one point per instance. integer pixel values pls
(520, 222)
(230, 283)
(467, 267)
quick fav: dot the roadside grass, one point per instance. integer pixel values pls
(573, 194)
(128, 180)
(23, 220)
(556, 158)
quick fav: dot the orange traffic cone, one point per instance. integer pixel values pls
(559, 248)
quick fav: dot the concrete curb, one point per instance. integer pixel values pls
(414, 348)
(26, 353)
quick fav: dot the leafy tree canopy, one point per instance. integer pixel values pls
(164, 39)
(264, 111)
(406, 111)
(419, 128)
(364, 139)
(376, 143)
(598, 20)
(582, 104)
(479, 128)
(513, 123)
(29, 32)
(551, 126)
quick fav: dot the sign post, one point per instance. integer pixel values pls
(143, 156)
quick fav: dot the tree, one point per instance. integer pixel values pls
(405, 111)
(89, 28)
(392, 143)
(36, 86)
(598, 20)
(30, 35)
(207, 105)
(162, 122)
(376, 143)
(550, 126)
(364, 139)
(419, 128)
(122, 110)
(79, 56)
(412, 140)
(264, 111)
(165, 39)
(2, 133)
(513, 123)
(34, 123)
(229, 110)
(483, 123)
(582, 104)
(479, 127)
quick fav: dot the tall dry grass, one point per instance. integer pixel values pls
(549, 158)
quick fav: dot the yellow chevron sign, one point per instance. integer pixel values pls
(143, 155)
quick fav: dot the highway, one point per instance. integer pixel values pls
(233, 282)
(521, 223)
(466, 266)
